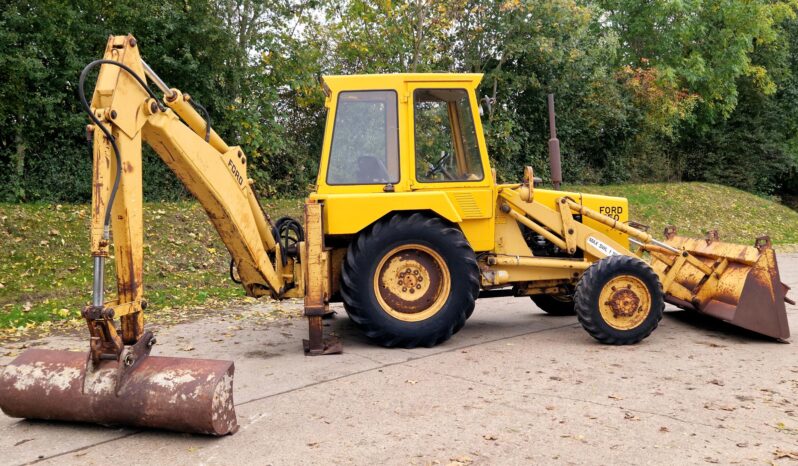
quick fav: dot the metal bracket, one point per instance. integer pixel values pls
(316, 344)
(104, 343)
(712, 236)
(130, 357)
(670, 232)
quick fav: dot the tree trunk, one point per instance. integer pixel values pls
(18, 177)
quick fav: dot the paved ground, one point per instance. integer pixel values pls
(513, 387)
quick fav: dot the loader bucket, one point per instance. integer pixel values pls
(184, 395)
(746, 290)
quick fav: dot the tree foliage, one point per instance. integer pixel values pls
(645, 91)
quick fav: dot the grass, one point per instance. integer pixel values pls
(45, 263)
(45, 267)
(695, 208)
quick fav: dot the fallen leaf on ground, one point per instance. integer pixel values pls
(779, 454)
(458, 460)
(490, 437)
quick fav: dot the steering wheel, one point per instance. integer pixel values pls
(437, 167)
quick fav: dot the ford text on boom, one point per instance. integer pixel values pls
(236, 174)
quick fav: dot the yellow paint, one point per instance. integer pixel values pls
(216, 174)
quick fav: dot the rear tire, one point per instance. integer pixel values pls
(410, 280)
(561, 305)
(619, 300)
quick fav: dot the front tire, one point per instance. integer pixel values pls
(410, 280)
(619, 300)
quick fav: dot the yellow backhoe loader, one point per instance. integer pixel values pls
(407, 226)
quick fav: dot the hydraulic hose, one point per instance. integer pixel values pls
(104, 129)
(199, 107)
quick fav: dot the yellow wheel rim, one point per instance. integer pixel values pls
(412, 282)
(625, 302)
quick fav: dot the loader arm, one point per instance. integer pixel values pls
(735, 283)
(214, 173)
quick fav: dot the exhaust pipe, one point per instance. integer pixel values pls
(554, 147)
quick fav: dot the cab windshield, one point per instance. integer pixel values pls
(365, 143)
(445, 137)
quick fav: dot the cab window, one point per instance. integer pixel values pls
(445, 137)
(365, 142)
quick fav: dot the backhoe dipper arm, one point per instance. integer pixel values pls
(124, 112)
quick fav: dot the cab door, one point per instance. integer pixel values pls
(448, 154)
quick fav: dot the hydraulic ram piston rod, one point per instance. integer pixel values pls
(157, 80)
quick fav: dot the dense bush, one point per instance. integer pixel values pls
(694, 90)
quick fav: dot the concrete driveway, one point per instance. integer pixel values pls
(515, 386)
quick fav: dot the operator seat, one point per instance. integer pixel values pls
(371, 170)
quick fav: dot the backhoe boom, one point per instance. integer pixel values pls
(214, 173)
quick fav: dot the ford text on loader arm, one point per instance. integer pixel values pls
(407, 226)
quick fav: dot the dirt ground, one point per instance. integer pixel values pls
(515, 386)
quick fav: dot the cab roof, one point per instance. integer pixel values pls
(397, 80)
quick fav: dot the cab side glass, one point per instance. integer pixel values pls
(365, 142)
(445, 137)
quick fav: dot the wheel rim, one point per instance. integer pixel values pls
(625, 302)
(412, 282)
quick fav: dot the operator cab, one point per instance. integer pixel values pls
(401, 132)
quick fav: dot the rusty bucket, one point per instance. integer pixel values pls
(184, 395)
(745, 288)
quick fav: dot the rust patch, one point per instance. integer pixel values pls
(410, 281)
(184, 395)
(624, 302)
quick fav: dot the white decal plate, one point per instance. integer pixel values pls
(602, 247)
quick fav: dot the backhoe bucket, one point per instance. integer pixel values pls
(745, 288)
(184, 395)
